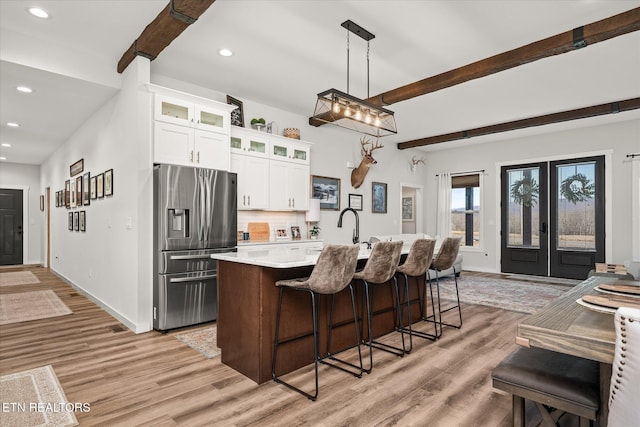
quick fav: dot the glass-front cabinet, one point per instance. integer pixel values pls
(185, 113)
(248, 142)
(290, 151)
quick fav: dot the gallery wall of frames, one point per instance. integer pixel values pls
(80, 190)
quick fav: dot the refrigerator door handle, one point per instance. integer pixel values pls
(179, 257)
(191, 279)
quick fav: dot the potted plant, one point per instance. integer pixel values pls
(313, 232)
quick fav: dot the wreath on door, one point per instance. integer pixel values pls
(577, 188)
(525, 192)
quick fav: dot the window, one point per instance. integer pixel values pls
(465, 209)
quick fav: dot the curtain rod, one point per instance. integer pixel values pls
(633, 155)
(467, 173)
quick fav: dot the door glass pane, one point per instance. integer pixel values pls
(211, 119)
(299, 154)
(258, 147)
(523, 222)
(279, 150)
(236, 143)
(576, 206)
(173, 110)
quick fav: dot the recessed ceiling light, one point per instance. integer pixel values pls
(3, 158)
(24, 89)
(225, 52)
(13, 125)
(6, 144)
(38, 12)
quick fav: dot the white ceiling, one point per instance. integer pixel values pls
(288, 51)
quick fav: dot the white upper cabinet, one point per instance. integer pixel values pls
(191, 131)
(290, 151)
(288, 186)
(253, 181)
(249, 143)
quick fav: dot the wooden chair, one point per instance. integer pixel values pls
(555, 382)
(332, 273)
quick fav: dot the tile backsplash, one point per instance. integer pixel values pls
(275, 220)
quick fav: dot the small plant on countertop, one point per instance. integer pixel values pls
(314, 231)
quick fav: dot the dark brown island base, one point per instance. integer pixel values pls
(248, 300)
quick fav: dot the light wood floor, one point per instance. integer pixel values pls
(153, 379)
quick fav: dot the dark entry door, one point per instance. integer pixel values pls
(11, 227)
(577, 209)
(524, 222)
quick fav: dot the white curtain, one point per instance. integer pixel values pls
(443, 220)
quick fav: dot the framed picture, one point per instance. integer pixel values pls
(355, 201)
(79, 191)
(295, 232)
(67, 194)
(92, 188)
(86, 179)
(407, 208)
(100, 186)
(71, 221)
(108, 183)
(378, 197)
(73, 193)
(281, 233)
(83, 221)
(327, 190)
(76, 221)
(237, 115)
(76, 168)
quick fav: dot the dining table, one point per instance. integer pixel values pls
(568, 326)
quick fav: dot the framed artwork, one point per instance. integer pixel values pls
(79, 191)
(100, 186)
(355, 202)
(108, 183)
(281, 233)
(92, 188)
(237, 115)
(378, 197)
(86, 179)
(295, 232)
(76, 221)
(327, 190)
(76, 168)
(407, 208)
(67, 194)
(71, 221)
(83, 221)
(73, 193)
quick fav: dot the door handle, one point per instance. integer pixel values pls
(543, 228)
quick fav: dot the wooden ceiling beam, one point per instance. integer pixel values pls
(563, 116)
(605, 29)
(166, 27)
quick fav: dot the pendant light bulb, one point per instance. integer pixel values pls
(336, 107)
(347, 111)
(358, 115)
(377, 121)
(367, 118)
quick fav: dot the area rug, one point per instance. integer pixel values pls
(35, 398)
(12, 278)
(544, 279)
(512, 295)
(203, 341)
(25, 306)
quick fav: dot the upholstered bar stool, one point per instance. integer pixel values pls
(416, 265)
(380, 269)
(332, 273)
(443, 261)
(555, 382)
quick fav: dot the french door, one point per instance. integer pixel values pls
(552, 217)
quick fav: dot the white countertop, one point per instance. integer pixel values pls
(275, 257)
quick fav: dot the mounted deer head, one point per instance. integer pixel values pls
(358, 174)
(414, 162)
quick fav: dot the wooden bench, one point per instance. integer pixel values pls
(557, 383)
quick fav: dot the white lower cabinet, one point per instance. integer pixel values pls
(288, 186)
(253, 181)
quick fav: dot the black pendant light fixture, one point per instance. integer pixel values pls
(344, 110)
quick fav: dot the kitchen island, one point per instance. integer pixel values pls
(247, 305)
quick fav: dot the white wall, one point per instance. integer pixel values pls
(618, 139)
(111, 261)
(27, 178)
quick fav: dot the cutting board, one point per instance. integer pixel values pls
(612, 301)
(258, 231)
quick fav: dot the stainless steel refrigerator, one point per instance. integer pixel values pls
(195, 216)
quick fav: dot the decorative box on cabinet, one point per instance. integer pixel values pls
(253, 181)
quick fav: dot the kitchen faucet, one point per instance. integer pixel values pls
(356, 231)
